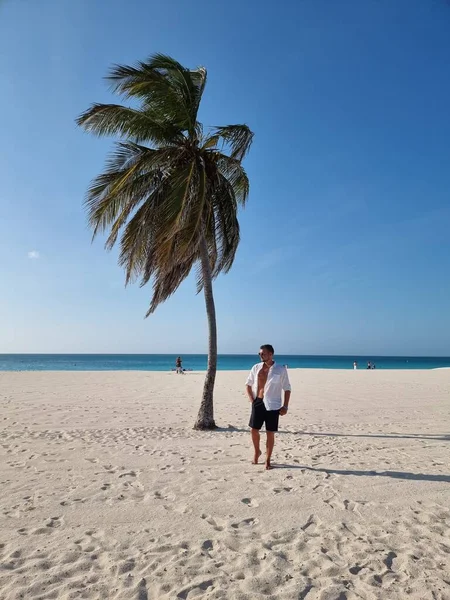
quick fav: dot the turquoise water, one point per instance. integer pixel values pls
(198, 362)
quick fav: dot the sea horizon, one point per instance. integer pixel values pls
(198, 362)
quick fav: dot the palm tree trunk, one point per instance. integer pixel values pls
(205, 417)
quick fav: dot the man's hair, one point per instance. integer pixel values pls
(267, 347)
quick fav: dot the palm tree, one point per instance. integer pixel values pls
(171, 189)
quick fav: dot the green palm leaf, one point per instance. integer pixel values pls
(238, 138)
(121, 121)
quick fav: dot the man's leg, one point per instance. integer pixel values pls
(255, 439)
(269, 447)
(256, 422)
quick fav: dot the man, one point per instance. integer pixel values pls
(265, 382)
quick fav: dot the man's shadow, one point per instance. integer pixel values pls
(437, 437)
(393, 474)
(356, 473)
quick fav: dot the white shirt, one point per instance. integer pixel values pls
(277, 380)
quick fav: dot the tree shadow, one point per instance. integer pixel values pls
(393, 474)
(231, 429)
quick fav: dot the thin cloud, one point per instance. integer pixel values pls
(34, 254)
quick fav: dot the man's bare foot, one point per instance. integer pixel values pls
(255, 460)
(268, 465)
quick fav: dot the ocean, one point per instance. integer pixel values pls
(198, 362)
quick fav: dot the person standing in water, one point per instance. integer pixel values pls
(264, 386)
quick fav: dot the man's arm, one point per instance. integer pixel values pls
(249, 384)
(285, 384)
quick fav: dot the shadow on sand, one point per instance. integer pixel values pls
(356, 473)
(393, 474)
(435, 437)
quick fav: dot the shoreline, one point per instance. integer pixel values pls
(195, 363)
(192, 372)
(230, 371)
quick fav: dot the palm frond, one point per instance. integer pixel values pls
(168, 90)
(190, 83)
(234, 172)
(167, 281)
(137, 82)
(227, 231)
(211, 142)
(113, 119)
(135, 242)
(225, 223)
(181, 211)
(239, 138)
(164, 221)
(209, 232)
(132, 173)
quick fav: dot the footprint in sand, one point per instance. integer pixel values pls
(182, 509)
(351, 506)
(211, 521)
(311, 523)
(164, 496)
(389, 560)
(282, 490)
(207, 545)
(250, 502)
(245, 523)
(356, 569)
(129, 474)
(54, 522)
(127, 566)
(110, 468)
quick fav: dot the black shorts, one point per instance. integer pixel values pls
(261, 415)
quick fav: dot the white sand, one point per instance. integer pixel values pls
(107, 492)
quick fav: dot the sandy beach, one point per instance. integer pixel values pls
(107, 491)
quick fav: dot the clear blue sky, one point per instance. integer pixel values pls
(345, 241)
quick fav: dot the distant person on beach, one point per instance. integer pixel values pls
(355, 365)
(369, 365)
(265, 384)
(178, 366)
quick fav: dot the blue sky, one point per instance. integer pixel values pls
(345, 240)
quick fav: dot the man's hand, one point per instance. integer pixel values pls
(283, 411)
